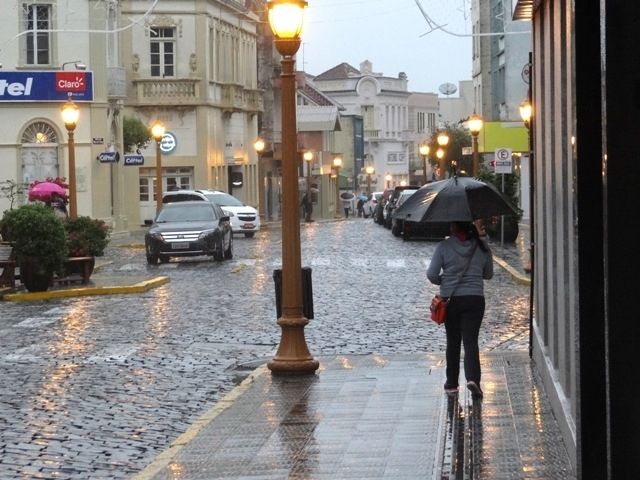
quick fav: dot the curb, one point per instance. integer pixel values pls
(165, 458)
(517, 276)
(83, 292)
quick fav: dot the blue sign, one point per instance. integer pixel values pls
(133, 160)
(46, 86)
(109, 157)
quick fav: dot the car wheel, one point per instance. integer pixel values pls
(249, 234)
(396, 230)
(405, 234)
(228, 253)
(218, 255)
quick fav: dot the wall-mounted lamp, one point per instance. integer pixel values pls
(79, 64)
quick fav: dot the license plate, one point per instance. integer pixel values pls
(180, 245)
(248, 225)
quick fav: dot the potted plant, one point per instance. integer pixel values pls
(39, 244)
(86, 237)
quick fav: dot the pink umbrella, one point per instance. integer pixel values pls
(45, 191)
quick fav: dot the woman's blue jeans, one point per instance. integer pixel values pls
(464, 317)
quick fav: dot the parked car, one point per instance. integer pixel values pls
(370, 205)
(182, 196)
(189, 228)
(378, 213)
(391, 203)
(397, 223)
(244, 219)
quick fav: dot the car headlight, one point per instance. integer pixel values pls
(206, 234)
(228, 213)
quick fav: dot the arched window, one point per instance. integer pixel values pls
(39, 152)
(39, 133)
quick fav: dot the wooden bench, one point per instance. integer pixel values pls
(78, 269)
(8, 265)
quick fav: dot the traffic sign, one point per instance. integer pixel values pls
(503, 160)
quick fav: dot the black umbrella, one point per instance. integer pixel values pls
(458, 199)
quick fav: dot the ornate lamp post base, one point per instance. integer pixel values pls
(293, 356)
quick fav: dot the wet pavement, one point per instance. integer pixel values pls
(375, 416)
(98, 387)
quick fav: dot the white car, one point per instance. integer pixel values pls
(244, 219)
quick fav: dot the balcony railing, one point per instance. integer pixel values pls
(167, 91)
(236, 98)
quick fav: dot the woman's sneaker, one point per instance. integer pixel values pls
(450, 390)
(474, 388)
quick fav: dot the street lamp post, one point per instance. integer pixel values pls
(308, 157)
(424, 153)
(293, 356)
(475, 125)
(70, 116)
(443, 141)
(526, 112)
(259, 147)
(337, 163)
(157, 132)
(369, 171)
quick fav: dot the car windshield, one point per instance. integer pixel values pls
(177, 212)
(224, 200)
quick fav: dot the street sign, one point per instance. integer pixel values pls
(109, 157)
(133, 160)
(467, 150)
(503, 160)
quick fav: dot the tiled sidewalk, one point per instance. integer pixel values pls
(374, 417)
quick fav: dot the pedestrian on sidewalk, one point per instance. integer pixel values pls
(346, 205)
(460, 265)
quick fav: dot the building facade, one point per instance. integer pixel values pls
(382, 102)
(193, 67)
(500, 60)
(48, 56)
(190, 65)
(585, 172)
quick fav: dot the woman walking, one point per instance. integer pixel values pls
(460, 265)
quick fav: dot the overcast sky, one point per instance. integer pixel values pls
(388, 33)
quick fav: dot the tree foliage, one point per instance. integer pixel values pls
(136, 135)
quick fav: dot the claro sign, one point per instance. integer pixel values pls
(46, 86)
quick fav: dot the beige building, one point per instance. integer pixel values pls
(191, 65)
(42, 64)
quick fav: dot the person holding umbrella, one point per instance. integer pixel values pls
(459, 266)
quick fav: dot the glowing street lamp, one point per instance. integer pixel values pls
(475, 125)
(424, 153)
(157, 132)
(369, 171)
(443, 141)
(526, 111)
(259, 145)
(70, 116)
(337, 164)
(293, 356)
(308, 157)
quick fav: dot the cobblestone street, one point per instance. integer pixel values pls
(95, 387)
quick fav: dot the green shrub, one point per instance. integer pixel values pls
(86, 236)
(36, 233)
